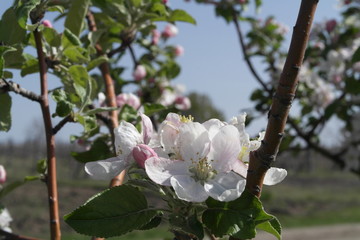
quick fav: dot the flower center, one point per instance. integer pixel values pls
(202, 171)
(187, 119)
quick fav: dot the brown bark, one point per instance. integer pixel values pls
(261, 159)
(51, 179)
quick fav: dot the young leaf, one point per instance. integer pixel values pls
(3, 51)
(64, 105)
(23, 10)
(76, 15)
(5, 112)
(114, 212)
(181, 16)
(150, 109)
(273, 227)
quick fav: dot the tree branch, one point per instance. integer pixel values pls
(245, 55)
(56, 129)
(9, 86)
(261, 159)
(50, 142)
(13, 236)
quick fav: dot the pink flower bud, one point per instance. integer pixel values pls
(129, 99)
(182, 103)
(2, 174)
(47, 23)
(330, 25)
(155, 37)
(164, 1)
(170, 31)
(139, 73)
(179, 50)
(141, 153)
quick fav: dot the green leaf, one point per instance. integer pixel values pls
(96, 62)
(356, 56)
(99, 150)
(31, 65)
(3, 51)
(76, 54)
(82, 84)
(64, 105)
(8, 188)
(52, 37)
(76, 15)
(41, 166)
(151, 108)
(70, 39)
(352, 85)
(237, 218)
(100, 109)
(56, 8)
(5, 112)
(136, 3)
(273, 227)
(155, 222)
(88, 122)
(23, 10)
(10, 26)
(187, 225)
(181, 16)
(113, 212)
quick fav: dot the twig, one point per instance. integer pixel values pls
(261, 159)
(245, 55)
(121, 48)
(10, 86)
(56, 129)
(13, 236)
(133, 57)
(50, 143)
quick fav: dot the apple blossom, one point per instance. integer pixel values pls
(129, 99)
(179, 50)
(127, 137)
(141, 153)
(170, 31)
(182, 103)
(5, 220)
(155, 37)
(201, 163)
(47, 23)
(139, 72)
(2, 174)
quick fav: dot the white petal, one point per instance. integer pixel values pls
(240, 168)
(105, 169)
(126, 138)
(146, 128)
(168, 138)
(225, 187)
(194, 141)
(274, 176)
(213, 126)
(187, 189)
(160, 170)
(225, 148)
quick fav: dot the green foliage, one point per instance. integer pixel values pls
(113, 212)
(99, 150)
(23, 9)
(3, 51)
(10, 26)
(76, 16)
(5, 112)
(238, 218)
(189, 225)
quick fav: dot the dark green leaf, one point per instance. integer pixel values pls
(100, 109)
(5, 112)
(70, 39)
(151, 108)
(155, 222)
(188, 225)
(23, 10)
(181, 16)
(273, 227)
(352, 85)
(96, 62)
(8, 188)
(11, 31)
(3, 51)
(76, 15)
(99, 150)
(113, 212)
(31, 65)
(64, 105)
(82, 84)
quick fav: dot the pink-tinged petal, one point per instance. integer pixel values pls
(105, 169)
(225, 187)
(168, 138)
(174, 119)
(146, 128)
(160, 170)
(194, 141)
(126, 138)
(187, 189)
(274, 176)
(240, 168)
(2, 174)
(225, 148)
(213, 126)
(141, 153)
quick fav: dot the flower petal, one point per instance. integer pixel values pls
(194, 142)
(213, 126)
(225, 187)
(274, 176)
(160, 170)
(240, 168)
(225, 148)
(187, 189)
(105, 169)
(168, 138)
(126, 138)
(146, 128)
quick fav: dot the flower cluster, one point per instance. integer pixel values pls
(198, 160)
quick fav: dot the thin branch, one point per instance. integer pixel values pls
(119, 49)
(50, 143)
(61, 124)
(245, 55)
(133, 57)
(13, 236)
(261, 159)
(10, 86)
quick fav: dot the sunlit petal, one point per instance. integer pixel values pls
(186, 188)
(274, 176)
(105, 169)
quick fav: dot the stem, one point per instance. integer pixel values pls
(13, 236)
(245, 55)
(50, 143)
(10, 86)
(261, 159)
(62, 123)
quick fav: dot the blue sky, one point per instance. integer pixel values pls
(212, 64)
